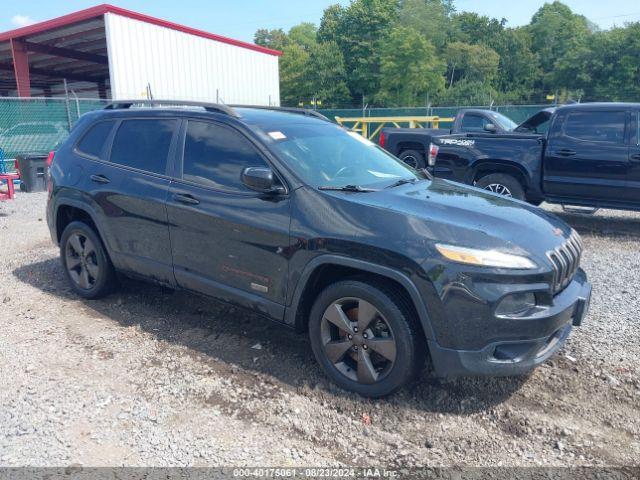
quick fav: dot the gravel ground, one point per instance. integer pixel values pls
(153, 377)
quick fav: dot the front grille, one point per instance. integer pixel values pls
(565, 260)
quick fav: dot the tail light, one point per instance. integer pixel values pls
(50, 158)
(433, 153)
(382, 140)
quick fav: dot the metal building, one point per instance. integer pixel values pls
(110, 52)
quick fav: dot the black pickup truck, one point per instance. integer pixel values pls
(411, 144)
(581, 154)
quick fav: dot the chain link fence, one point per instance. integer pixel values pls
(36, 125)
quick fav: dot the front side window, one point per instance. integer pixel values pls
(93, 141)
(596, 126)
(324, 154)
(215, 156)
(143, 144)
(473, 123)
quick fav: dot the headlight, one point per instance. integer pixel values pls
(484, 258)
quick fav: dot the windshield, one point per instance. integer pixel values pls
(505, 123)
(326, 155)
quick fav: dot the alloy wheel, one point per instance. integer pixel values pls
(499, 189)
(82, 261)
(411, 161)
(357, 340)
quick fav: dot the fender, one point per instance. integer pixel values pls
(526, 174)
(401, 278)
(80, 205)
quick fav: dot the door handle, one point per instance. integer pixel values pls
(185, 198)
(99, 179)
(635, 157)
(565, 152)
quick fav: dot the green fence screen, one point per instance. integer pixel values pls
(37, 125)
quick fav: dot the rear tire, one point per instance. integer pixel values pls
(85, 261)
(365, 338)
(502, 184)
(413, 158)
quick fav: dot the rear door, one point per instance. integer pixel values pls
(129, 190)
(634, 159)
(228, 241)
(587, 158)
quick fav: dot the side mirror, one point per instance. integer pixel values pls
(260, 179)
(490, 127)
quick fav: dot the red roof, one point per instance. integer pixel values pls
(100, 10)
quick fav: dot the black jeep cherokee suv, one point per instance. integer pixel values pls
(311, 225)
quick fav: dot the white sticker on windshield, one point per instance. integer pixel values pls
(360, 138)
(277, 135)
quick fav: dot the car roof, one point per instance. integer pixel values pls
(598, 105)
(262, 117)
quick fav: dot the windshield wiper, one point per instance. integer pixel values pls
(348, 188)
(402, 181)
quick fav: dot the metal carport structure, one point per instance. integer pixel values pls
(110, 52)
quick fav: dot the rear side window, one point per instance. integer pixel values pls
(143, 144)
(215, 156)
(596, 126)
(93, 141)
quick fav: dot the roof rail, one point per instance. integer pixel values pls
(299, 111)
(209, 107)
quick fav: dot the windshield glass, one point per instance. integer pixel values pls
(504, 122)
(326, 155)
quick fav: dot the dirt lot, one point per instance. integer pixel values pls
(152, 377)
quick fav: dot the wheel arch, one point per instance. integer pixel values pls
(489, 166)
(68, 210)
(325, 269)
(411, 145)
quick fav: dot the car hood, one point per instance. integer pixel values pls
(453, 213)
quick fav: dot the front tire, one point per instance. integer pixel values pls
(85, 261)
(365, 338)
(502, 184)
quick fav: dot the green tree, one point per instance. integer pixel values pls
(555, 33)
(330, 23)
(468, 92)
(304, 35)
(409, 69)
(275, 39)
(362, 28)
(519, 70)
(327, 75)
(472, 62)
(294, 86)
(429, 17)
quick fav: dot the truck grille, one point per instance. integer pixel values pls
(565, 260)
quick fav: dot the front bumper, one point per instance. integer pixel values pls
(515, 357)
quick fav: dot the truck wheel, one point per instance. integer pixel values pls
(364, 338)
(502, 184)
(86, 263)
(413, 158)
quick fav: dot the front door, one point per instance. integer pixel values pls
(227, 241)
(588, 157)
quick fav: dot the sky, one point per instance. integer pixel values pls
(241, 18)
